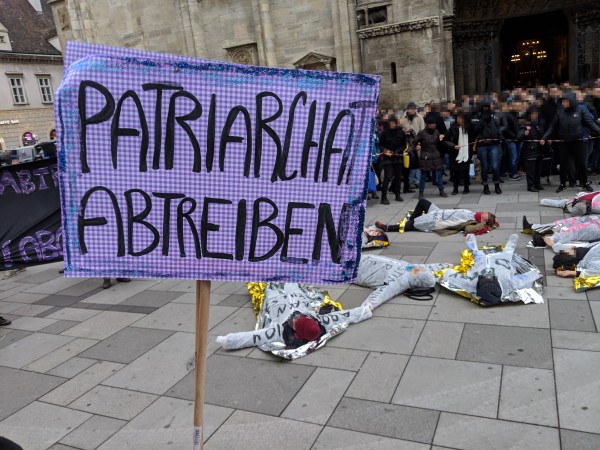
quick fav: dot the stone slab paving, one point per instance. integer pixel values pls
(86, 368)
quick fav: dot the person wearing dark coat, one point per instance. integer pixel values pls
(430, 160)
(568, 126)
(393, 143)
(510, 134)
(529, 134)
(488, 130)
(461, 152)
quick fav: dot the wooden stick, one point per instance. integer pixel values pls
(202, 306)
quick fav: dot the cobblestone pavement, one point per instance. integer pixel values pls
(83, 368)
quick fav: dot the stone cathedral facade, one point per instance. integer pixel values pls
(423, 49)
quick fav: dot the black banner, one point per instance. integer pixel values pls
(30, 224)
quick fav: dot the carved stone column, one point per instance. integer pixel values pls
(338, 41)
(267, 32)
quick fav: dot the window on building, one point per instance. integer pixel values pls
(18, 91)
(393, 73)
(1, 39)
(45, 89)
(371, 16)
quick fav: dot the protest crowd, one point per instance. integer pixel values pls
(533, 132)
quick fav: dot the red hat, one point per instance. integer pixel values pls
(307, 329)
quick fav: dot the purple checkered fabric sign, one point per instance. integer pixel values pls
(173, 167)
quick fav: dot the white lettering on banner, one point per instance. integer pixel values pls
(9, 122)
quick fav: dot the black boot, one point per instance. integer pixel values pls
(399, 198)
(532, 189)
(384, 200)
(486, 189)
(526, 224)
(497, 189)
(539, 187)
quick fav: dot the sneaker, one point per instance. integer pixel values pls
(4, 322)
(561, 188)
(515, 177)
(443, 194)
(588, 188)
(381, 225)
(421, 195)
(123, 280)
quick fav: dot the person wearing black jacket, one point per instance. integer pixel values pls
(529, 134)
(567, 126)
(393, 143)
(510, 134)
(488, 130)
(461, 154)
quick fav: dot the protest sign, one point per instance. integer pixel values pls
(172, 167)
(30, 228)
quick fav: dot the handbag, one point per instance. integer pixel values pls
(420, 294)
(372, 181)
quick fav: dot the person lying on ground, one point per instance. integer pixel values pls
(582, 204)
(492, 277)
(391, 277)
(557, 225)
(292, 321)
(429, 217)
(373, 237)
(580, 232)
(577, 262)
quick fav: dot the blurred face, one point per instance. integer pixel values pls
(393, 124)
(373, 233)
(534, 116)
(431, 126)
(460, 120)
(411, 111)
(565, 103)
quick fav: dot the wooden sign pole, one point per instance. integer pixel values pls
(202, 307)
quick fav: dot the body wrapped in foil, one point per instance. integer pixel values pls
(588, 231)
(562, 224)
(588, 270)
(518, 278)
(391, 277)
(565, 203)
(280, 301)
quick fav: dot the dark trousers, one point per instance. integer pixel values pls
(460, 173)
(533, 170)
(421, 208)
(572, 152)
(392, 173)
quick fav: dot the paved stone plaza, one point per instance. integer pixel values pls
(83, 368)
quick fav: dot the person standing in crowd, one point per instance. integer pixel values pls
(487, 130)
(393, 144)
(529, 134)
(106, 282)
(414, 123)
(567, 126)
(461, 153)
(430, 159)
(510, 132)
